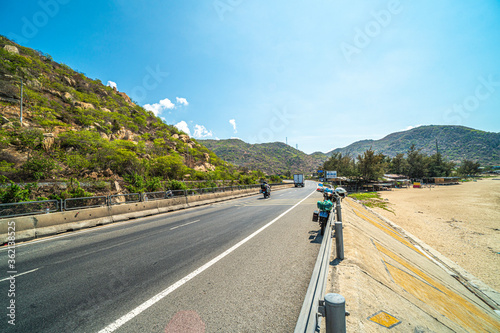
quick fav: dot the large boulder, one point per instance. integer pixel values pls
(68, 97)
(11, 155)
(48, 141)
(69, 81)
(84, 105)
(125, 97)
(11, 49)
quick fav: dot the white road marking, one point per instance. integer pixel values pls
(183, 225)
(138, 310)
(33, 270)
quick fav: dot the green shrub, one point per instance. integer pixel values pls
(170, 166)
(31, 137)
(39, 167)
(15, 193)
(85, 141)
(78, 162)
(136, 183)
(176, 185)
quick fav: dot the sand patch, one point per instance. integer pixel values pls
(462, 222)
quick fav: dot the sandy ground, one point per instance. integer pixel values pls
(462, 222)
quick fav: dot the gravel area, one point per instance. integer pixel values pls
(462, 222)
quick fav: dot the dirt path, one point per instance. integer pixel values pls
(460, 221)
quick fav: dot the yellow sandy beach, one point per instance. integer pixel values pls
(462, 222)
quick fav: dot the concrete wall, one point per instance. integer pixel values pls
(30, 227)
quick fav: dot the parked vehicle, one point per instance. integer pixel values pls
(341, 192)
(325, 208)
(298, 180)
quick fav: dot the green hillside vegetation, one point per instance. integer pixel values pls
(272, 158)
(456, 143)
(75, 127)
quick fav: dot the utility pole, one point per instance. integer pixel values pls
(21, 117)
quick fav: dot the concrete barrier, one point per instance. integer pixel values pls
(23, 226)
(30, 227)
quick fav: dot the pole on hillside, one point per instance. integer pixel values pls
(21, 116)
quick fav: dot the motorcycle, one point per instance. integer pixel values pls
(322, 216)
(266, 191)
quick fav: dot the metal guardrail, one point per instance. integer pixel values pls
(118, 199)
(309, 318)
(29, 208)
(90, 202)
(50, 206)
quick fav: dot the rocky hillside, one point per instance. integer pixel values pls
(272, 158)
(455, 143)
(73, 126)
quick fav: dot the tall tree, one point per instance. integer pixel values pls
(417, 163)
(398, 164)
(370, 165)
(469, 168)
(438, 166)
(345, 165)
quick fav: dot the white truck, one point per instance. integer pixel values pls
(298, 180)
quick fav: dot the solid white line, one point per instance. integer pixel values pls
(20, 274)
(183, 225)
(119, 322)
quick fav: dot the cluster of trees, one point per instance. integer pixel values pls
(414, 164)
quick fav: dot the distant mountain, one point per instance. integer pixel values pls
(272, 158)
(456, 143)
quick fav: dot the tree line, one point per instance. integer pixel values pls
(413, 164)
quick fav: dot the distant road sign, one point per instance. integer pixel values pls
(320, 171)
(331, 174)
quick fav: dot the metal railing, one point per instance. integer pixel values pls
(50, 206)
(87, 202)
(316, 304)
(309, 319)
(29, 208)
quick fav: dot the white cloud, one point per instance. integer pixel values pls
(112, 84)
(183, 126)
(182, 101)
(411, 127)
(201, 132)
(157, 108)
(166, 104)
(233, 123)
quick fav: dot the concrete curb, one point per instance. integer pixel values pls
(31, 227)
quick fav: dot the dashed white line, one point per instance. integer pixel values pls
(185, 224)
(138, 310)
(33, 270)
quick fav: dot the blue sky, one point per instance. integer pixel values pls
(319, 74)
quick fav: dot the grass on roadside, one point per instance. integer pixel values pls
(371, 200)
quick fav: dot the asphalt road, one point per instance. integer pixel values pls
(235, 266)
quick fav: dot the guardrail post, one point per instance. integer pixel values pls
(339, 210)
(339, 240)
(339, 233)
(335, 313)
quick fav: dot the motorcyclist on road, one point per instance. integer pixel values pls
(265, 187)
